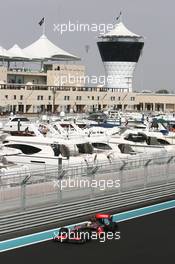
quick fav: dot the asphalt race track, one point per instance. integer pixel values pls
(149, 239)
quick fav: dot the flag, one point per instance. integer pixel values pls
(41, 22)
(119, 16)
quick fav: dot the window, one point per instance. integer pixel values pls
(85, 148)
(136, 137)
(21, 97)
(92, 97)
(50, 97)
(6, 96)
(66, 98)
(56, 149)
(102, 146)
(40, 97)
(126, 149)
(60, 149)
(112, 98)
(119, 98)
(162, 141)
(14, 97)
(22, 119)
(132, 98)
(78, 98)
(98, 98)
(26, 149)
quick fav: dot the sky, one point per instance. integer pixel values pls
(153, 19)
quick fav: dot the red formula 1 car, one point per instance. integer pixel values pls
(100, 223)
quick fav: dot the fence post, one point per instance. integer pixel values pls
(60, 161)
(92, 188)
(121, 175)
(19, 124)
(23, 191)
(168, 168)
(23, 196)
(146, 172)
(60, 194)
(60, 165)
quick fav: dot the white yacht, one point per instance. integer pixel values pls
(11, 171)
(45, 150)
(16, 123)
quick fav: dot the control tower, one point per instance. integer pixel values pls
(120, 50)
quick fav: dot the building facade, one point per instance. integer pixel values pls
(21, 98)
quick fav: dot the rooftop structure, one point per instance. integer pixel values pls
(40, 50)
(16, 53)
(51, 72)
(43, 49)
(120, 31)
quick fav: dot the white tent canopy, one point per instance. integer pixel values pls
(4, 54)
(120, 31)
(44, 49)
(17, 53)
(41, 50)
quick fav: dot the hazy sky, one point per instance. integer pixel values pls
(154, 19)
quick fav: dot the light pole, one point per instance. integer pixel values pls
(103, 99)
(53, 102)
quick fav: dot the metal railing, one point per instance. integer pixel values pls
(61, 212)
(27, 187)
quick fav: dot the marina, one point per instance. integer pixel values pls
(57, 162)
(87, 132)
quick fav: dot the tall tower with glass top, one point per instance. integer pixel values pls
(120, 50)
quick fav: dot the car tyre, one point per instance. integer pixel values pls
(65, 231)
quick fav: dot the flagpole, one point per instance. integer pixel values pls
(44, 27)
(121, 16)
